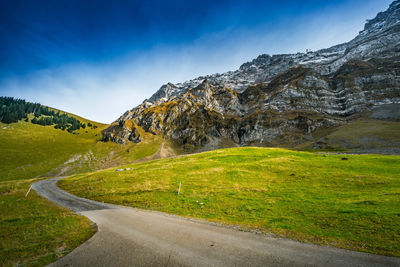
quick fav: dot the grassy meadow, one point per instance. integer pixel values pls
(29, 150)
(34, 231)
(347, 201)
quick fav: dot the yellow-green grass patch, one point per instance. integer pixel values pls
(29, 150)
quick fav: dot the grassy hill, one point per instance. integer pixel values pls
(363, 135)
(29, 150)
(349, 201)
(34, 231)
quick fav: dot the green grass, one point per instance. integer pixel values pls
(35, 232)
(28, 150)
(352, 203)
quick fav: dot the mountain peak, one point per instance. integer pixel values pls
(395, 4)
(281, 99)
(327, 61)
(384, 19)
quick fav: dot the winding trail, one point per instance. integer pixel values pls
(133, 237)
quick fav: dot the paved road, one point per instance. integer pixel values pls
(132, 237)
(49, 190)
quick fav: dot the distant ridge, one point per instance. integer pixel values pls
(280, 100)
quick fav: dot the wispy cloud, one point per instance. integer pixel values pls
(104, 88)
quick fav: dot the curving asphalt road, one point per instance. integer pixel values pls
(133, 237)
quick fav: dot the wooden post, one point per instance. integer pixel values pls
(179, 190)
(28, 191)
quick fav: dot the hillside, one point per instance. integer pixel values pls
(30, 150)
(35, 232)
(350, 202)
(283, 100)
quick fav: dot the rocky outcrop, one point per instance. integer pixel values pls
(277, 100)
(122, 132)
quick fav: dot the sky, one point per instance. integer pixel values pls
(98, 58)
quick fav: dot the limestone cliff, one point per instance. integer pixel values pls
(277, 100)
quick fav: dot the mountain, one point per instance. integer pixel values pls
(292, 100)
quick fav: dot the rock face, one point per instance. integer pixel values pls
(276, 100)
(121, 133)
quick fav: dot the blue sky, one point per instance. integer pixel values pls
(98, 58)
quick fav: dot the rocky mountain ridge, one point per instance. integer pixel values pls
(327, 61)
(276, 100)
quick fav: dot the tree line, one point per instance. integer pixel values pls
(13, 110)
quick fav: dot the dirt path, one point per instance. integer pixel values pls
(132, 237)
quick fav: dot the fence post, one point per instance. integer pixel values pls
(28, 191)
